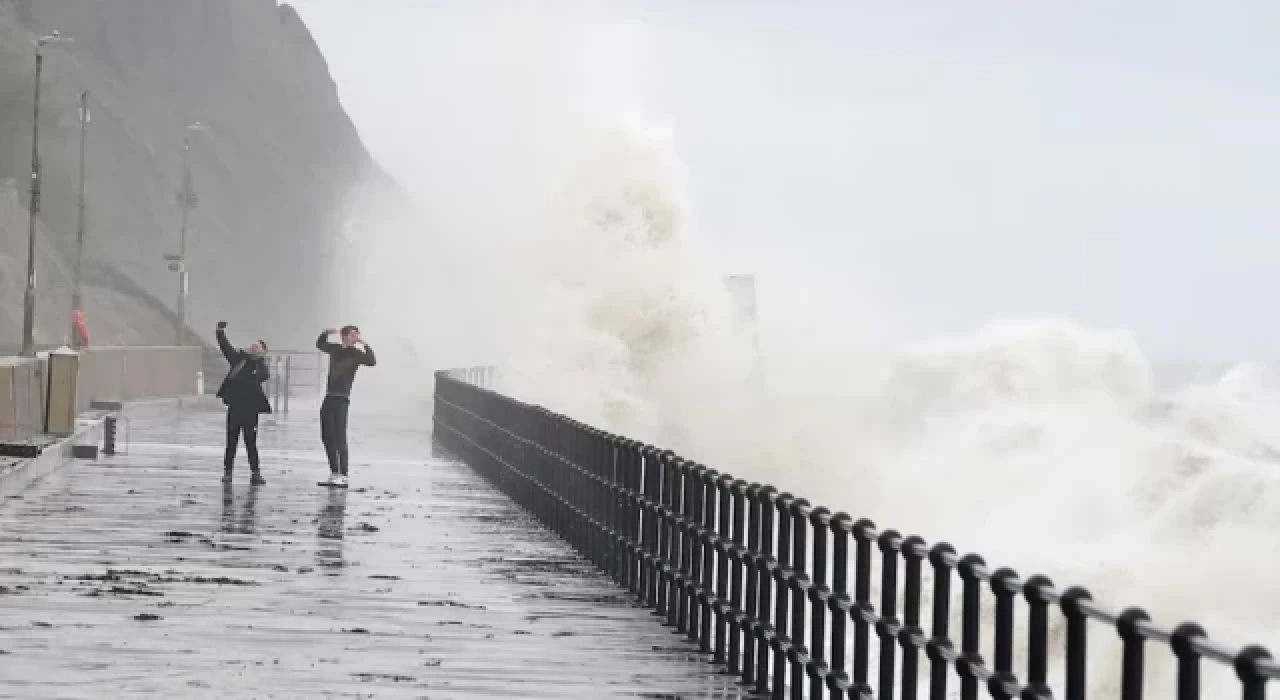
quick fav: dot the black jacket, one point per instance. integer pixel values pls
(244, 391)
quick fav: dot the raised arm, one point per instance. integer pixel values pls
(323, 344)
(369, 359)
(228, 351)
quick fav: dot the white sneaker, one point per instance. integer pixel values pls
(340, 481)
(331, 481)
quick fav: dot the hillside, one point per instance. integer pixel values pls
(272, 172)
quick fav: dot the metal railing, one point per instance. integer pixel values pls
(294, 373)
(476, 376)
(761, 579)
(300, 371)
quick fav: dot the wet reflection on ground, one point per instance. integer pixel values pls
(239, 520)
(329, 524)
(141, 575)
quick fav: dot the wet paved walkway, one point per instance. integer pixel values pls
(139, 575)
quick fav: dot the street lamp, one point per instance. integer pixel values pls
(29, 298)
(187, 201)
(76, 308)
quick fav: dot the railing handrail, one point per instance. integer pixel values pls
(577, 446)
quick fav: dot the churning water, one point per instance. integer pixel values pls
(1044, 445)
(1039, 443)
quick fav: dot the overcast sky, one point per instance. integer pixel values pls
(1114, 162)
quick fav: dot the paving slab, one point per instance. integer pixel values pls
(140, 575)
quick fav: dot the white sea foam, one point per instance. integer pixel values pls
(1042, 444)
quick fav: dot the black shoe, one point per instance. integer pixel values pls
(257, 479)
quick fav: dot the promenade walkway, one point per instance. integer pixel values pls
(139, 575)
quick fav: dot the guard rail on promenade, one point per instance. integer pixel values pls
(295, 373)
(761, 579)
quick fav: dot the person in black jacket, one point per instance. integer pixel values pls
(242, 392)
(344, 360)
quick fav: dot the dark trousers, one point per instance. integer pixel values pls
(238, 422)
(333, 432)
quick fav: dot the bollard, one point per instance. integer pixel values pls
(109, 435)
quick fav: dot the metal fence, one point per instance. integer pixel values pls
(761, 579)
(294, 373)
(476, 376)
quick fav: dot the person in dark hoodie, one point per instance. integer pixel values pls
(344, 360)
(242, 392)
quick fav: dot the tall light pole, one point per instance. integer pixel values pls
(29, 298)
(76, 308)
(187, 200)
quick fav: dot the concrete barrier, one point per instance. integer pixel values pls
(121, 373)
(129, 373)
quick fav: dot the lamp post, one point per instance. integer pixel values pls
(187, 201)
(76, 300)
(29, 297)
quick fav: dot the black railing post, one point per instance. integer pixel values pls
(768, 634)
(635, 511)
(597, 480)
(647, 456)
(724, 603)
(1132, 662)
(690, 558)
(677, 616)
(887, 626)
(557, 478)
(911, 637)
(604, 481)
(1005, 585)
(1248, 665)
(577, 503)
(798, 655)
(838, 681)
(708, 538)
(754, 562)
(864, 535)
(1077, 646)
(820, 598)
(628, 539)
(667, 534)
(781, 611)
(942, 557)
(1036, 590)
(972, 567)
(656, 460)
(1183, 642)
(769, 564)
(601, 479)
(738, 574)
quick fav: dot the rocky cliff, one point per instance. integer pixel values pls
(273, 170)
